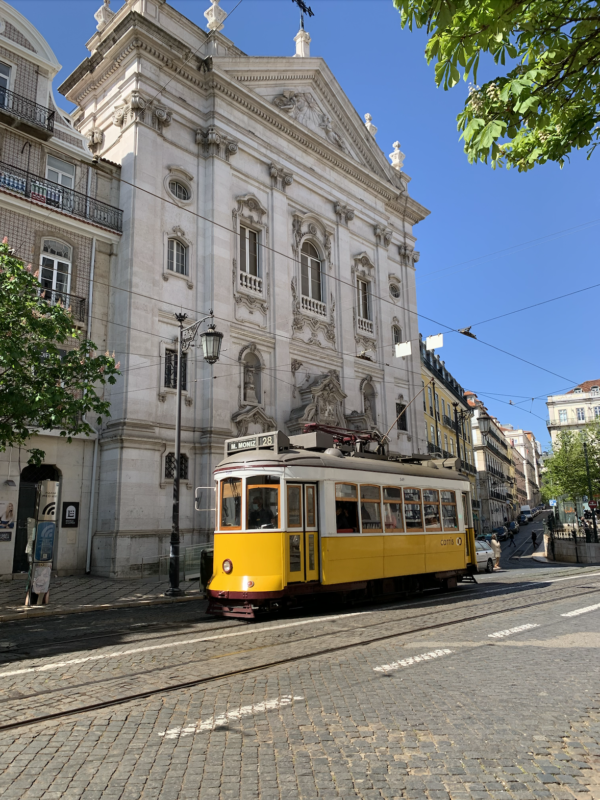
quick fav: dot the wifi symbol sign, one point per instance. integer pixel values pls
(49, 510)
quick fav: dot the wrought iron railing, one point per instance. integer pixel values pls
(27, 110)
(60, 197)
(433, 448)
(54, 297)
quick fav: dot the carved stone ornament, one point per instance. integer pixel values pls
(369, 125)
(215, 143)
(280, 178)
(250, 301)
(343, 212)
(303, 107)
(408, 256)
(250, 208)
(397, 157)
(95, 140)
(163, 116)
(103, 16)
(322, 402)
(383, 235)
(363, 265)
(137, 109)
(252, 419)
(215, 16)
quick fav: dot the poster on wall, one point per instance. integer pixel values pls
(7, 521)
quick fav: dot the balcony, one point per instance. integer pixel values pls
(433, 448)
(365, 325)
(251, 282)
(447, 421)
(557, 423)
(44, 192)
(54, 297)
(314, 306)
(20, 112)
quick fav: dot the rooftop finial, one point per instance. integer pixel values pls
(215, 16)
(397, 157)
(103, 16)
(369, 125)
(302, 38)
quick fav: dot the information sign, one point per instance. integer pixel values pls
(70, 515)
(276, 440)
(44, 542)
(40, 579)
(553, 502)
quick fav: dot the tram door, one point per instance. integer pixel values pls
(302, 550)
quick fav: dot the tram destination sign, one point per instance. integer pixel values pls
(275, 440)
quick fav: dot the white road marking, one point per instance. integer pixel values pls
(407, 662)
(509, 631)
(579, 611)
(244, 711)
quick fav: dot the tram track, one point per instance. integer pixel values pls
(197, 682)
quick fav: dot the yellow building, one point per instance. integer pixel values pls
(448, 419)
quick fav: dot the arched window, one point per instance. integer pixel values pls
(311, 272)
(252, 379)
(396, 334)
(178, 257)
(170, 466)
(55, 271)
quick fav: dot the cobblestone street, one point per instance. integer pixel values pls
(486, 692)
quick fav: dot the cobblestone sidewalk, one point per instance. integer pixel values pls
(74, 595)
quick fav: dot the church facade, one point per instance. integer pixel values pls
(252, 187)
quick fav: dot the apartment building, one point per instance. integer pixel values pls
(573, 410)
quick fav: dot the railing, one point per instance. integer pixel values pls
(497, 438)
(447, 421)
(64, 199)
(469, 468)
(497, 452)
(433, 448)
(27, 110)
(571, 421)
(251, 282)
(314, 306)
(54, 297)
(365, 325)
(497, 495)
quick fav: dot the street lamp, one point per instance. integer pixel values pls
(211, 349)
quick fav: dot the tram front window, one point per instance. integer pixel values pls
(231, 503)
(346, 508)
(263, 502)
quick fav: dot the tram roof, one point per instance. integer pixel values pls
(251, 459)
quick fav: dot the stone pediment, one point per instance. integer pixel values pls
(322, 401)
(306, 109)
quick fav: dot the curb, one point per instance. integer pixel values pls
(39, 611)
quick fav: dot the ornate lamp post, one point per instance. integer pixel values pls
(211, 350)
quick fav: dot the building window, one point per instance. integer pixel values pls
(580, 415)
(4, 82)
(446, 442)
(562, 415)
(430, 401)
(396, 334)
(424, 401)
(179, 190)
(249, 251)
(171, 370)
(55, 271)
(401, 424)
(596, 410)
(443, 407)
(170, 466)
(432, 432)
(311, 273)
(60, 172)
(178, 257)
(577, 391)
(595, 390)
(395, 290)
(451, 446)
(364, 299)
(437, 405)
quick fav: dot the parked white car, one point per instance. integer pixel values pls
(485, 557)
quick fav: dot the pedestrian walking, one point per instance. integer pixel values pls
(497, 548)
(511, 538)
(534, 540)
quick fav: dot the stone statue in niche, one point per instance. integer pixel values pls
(249, 385)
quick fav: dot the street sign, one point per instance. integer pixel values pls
(553, 502)
(593, 504)
(70, 515)
(44, 542)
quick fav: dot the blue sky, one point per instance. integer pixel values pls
(495, 241)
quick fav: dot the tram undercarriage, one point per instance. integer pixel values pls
(250, 606)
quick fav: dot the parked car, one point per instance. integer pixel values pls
(525, 519)
(514, 526)
(501, 533)
(484, 537)
(485, 556)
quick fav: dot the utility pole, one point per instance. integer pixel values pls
(589, 480)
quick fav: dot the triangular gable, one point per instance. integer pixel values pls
(306, 93)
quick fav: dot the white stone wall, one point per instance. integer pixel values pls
(297, 167)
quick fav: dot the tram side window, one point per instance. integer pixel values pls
(346, 508)
(231, 503)
(449, 515)
(294, 506)
(262, 502)
(392, 509)
(413, 510)
(431, 509)
(370, 509)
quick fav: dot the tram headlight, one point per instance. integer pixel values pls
(227, 566)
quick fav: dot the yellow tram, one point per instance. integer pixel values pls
(300, 516)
